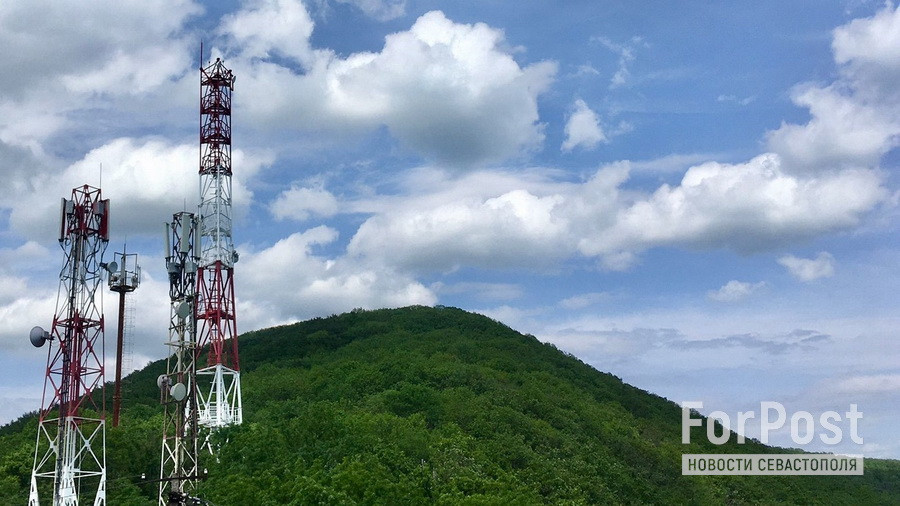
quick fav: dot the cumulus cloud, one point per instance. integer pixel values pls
(267, 27)
(146, 181)
(62, 65)
(291, 282)
(869, 48)
(809, 269)
(747, 207)
(516, 228)
(41, 41)
(583, 128)
(449, 91)
(298, 203)
(856, 119)
(734, 291)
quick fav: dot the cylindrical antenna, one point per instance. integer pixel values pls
(168, 244)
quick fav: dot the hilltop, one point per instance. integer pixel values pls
(434, 405)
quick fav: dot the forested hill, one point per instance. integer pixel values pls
(434, 405)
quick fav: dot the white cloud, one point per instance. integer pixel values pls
(300, 203)
(145, 180)
(382, 10)
(734, 99)
(479, 290)
(67, 54)
(584, 300)
(856, 119)
(809, 269)
(626, 52)
(843, 132)
(271, 26)
(34, 306)
(586, 70)
(583, 128)
(870, 44)
(746, 207)
(42, 39)
(676, 162)
(290, 282)
(868, 384)
(734, 291)
(449, 91)
(511, 229)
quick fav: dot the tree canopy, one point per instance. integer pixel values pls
(433, 405)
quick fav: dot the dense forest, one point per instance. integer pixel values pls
(433, 405)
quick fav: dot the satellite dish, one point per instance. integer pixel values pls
(38, 336)
(183, 310)
(178, 391)
(112, 267)
(162, 381)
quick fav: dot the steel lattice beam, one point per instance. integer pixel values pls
(70, 451)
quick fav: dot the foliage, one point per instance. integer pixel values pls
(434, 405)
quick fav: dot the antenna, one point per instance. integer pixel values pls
(200, 258)
(122, 278)
(70, 452)
(178, 387)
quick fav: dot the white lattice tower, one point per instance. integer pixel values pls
(179, 465)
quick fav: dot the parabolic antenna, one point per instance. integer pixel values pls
(183, 310)
(178, 391)
(162, 381)
(38, 336)
(112, 267)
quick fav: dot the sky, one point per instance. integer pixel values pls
(700, 198)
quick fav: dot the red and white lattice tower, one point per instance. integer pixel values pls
(219, 382)
(70, 453)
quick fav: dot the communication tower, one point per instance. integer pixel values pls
(124, 277)
(220, 388)
(70, 452)
(178, 387)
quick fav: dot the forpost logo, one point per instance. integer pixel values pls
(830, 427)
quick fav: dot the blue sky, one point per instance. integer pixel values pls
(700, 198)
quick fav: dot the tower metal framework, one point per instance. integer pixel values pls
(124, 277)
(70, 451)
(179, 464)
(220, 391)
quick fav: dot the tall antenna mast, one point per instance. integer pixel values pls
(220, 387)
(124, 277)
(179, 464)
(70, 453)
